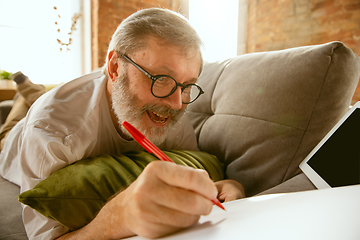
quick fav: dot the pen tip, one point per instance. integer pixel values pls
(218, 203)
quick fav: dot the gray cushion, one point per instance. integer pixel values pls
(262, 113)
(11, 225)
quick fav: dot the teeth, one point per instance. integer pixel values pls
(160, 115)
(158, 121)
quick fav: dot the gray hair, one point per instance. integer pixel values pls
(171, 27)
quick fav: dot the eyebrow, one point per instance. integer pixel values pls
(172, 73)
(193, 80)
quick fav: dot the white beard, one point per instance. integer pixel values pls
(126, 107)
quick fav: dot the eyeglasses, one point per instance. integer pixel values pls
(163, 86)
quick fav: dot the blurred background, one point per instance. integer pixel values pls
(54, 41)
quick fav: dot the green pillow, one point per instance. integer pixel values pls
(75, 194)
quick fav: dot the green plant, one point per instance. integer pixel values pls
(5, 75)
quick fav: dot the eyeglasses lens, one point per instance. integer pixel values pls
(165, 86)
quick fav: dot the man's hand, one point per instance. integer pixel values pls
(229, 190)
(165, 198)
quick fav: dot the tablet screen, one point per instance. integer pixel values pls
(337, 161)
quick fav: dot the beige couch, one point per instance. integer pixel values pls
(261, 114)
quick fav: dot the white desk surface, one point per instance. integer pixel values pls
(330, 214)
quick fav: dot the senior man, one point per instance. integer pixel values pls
(148, 79)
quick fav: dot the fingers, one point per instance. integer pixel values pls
(183, 200)
(196, 180)
(155, 229)
(168, 217)
(177, 187)
(229, 190)
(147, 218)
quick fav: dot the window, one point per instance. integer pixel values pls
(217, 23)
(28, 40)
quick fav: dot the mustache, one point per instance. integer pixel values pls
(162, 109)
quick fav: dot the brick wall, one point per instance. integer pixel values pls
(106, 16)
(272, 24)
(280, 24)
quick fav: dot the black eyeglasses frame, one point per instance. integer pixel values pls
(153, 78)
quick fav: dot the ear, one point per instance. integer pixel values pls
(113, 65)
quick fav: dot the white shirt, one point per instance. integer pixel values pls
(66, 124)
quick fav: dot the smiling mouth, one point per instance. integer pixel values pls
(157, 117)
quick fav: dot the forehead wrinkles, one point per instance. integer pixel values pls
(152, 41)
(151, 62)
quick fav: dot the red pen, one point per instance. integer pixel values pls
(151, 148)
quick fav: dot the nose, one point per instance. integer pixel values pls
(174, 100)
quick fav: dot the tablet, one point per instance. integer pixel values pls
(335, 161)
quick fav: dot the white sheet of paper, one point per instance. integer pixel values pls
(329, 214)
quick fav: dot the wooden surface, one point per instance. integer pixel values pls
(7, 94)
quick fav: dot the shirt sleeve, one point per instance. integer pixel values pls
(55, 133)
(42, 153)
